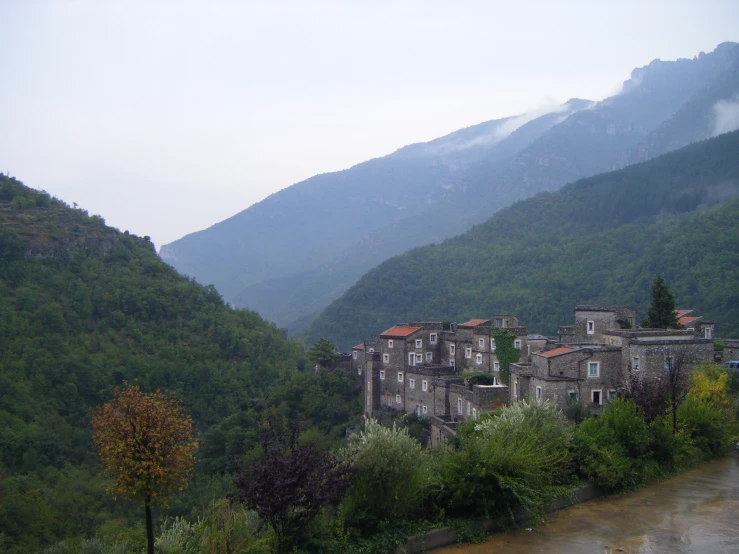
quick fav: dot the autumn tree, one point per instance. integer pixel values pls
(505, 351)
(146, 446)
(292, 483)
(661, 313)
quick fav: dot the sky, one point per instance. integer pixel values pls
(166, 117)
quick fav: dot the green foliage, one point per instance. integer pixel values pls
(661, 313)
(390, 476)
(517, 459)
(615, 450)
(505, 351)
(478, 378)
(599, 240)
(84, 308)
(705, 425)
(323, 353)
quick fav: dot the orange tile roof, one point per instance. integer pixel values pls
(681, 313)
(358, 347)
(556, 352)
(687, 319)
(474, 323)
(399, 331)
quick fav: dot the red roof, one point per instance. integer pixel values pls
(474, 323)
(681, 313)
(358, 347)
(399, 331)
(556, 352)
(687, 319)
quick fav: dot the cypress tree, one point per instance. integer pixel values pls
(661, 313)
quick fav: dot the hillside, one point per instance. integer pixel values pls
(653, 114)
(598, 240)
(84, 308)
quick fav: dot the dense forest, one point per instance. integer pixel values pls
(85, 308)
(598, 240)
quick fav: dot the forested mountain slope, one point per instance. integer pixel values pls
(84, 308)
(598, 240)
(543, 155)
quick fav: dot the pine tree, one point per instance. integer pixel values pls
(661, 313)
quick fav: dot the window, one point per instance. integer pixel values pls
(419, 343)
(478, 359)
(385, 358)
(499, 322)
(390, 343)
(411, 359)
(708, 332)
(591, 327)
(593, 369)
(418, 409)
(354, 354)
(595, 396)
(419, 358)
(389, 400)
(400, 376)
(468, 352)
(429, 356)
(538, 393)
(372, 350)
(481, 343)
(572, 394)
(397, 399)
(668, 363)
(469, 409)
(517, 344)
(515, 389)
(382, 375)
(359, 370)
(432, 338)
(492, 345)
(412, 383)
(424, 386)
(459, 406)
(452, 362)
(451, 350)
(611, 395)
(496, 366)
(425, 409)
(474, 413)
(692, 329)
(635, 362)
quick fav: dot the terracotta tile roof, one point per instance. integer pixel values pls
(556, 352)
(474, 323)
(681, 313)
(687, 319)
(399, 331)
(358, 347)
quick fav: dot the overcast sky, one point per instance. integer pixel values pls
(167, 117)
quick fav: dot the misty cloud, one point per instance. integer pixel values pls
(726, 114)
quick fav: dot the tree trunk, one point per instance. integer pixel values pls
(149, 528)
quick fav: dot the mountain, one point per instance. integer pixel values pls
(85, 308)
(600, 240)
(290, 272)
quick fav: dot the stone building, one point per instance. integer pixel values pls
(594, 359)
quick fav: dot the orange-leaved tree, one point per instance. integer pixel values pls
(146, 445)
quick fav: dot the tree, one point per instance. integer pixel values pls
(677, 370)
(146, 446)
(323, 353)
(649, 394)
(661, 313)
(505, 351)
(292, 484)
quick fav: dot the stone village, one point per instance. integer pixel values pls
(416, 367)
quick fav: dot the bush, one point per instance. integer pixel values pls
(390, 475)
(516, 459)
(615, 450)
(705, 425)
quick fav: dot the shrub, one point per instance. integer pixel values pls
(390, 474)
(615, 450)
(705, 424)
(515, 459)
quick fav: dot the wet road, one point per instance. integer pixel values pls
(695, 512)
